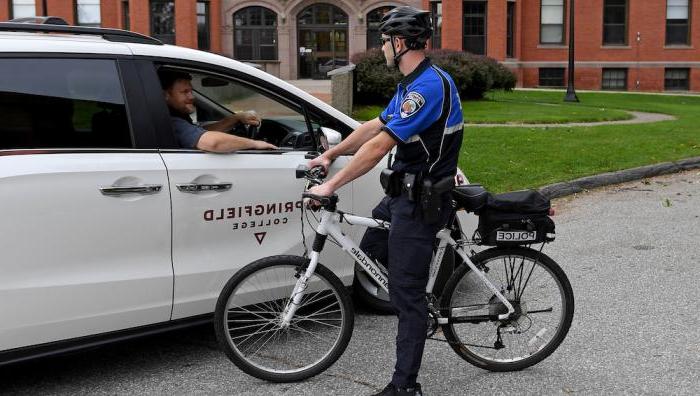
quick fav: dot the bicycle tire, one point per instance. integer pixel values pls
(256, 310)
(475, 353)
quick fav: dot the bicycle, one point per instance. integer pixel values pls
(288, 318)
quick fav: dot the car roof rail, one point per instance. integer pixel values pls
(115, 35)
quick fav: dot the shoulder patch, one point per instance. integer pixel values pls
(411, 104)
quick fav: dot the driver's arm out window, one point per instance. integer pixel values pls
(282, 124)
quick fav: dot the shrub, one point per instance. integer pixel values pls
(473, 75)
(375, 82)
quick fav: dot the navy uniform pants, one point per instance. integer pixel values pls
(407, 249)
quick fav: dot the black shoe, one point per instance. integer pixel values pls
(391, 390)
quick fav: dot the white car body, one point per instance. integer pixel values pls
(78, 265)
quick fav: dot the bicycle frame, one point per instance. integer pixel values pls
(330, 225)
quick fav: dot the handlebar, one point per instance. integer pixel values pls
(314, 175)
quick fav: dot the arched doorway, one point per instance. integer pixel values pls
(255, 34)
(323, 40)
(374, 38)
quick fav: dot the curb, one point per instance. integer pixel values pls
(558, 190)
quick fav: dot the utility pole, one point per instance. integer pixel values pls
(570, 91)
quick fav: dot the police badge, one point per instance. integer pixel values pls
(411, 104)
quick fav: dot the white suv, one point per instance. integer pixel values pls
(109, 229)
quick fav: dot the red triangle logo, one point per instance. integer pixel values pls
(260, 236)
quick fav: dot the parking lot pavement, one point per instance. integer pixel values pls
(318, 88)
(631, 253)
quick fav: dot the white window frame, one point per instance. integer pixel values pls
(552, 14)
(23, 8)
(85, 14)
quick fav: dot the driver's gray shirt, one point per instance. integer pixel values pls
(186, 132)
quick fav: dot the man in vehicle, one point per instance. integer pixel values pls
(177, 88)
(424, 119)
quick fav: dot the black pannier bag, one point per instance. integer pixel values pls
(515, 218)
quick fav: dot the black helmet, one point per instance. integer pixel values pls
(409, 23)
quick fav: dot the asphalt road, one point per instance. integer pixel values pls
(631, 253)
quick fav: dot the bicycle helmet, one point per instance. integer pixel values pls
(408, 23)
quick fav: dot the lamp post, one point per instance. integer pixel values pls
(570, 91)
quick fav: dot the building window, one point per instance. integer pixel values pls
(322, 14)
(163, 20)
(374, 38)
(552, 22)
(677, 80)
(436, 11)
(126, 24)
(615, 79)
(23, 9)
(552, 77)
(510, 30)
(474, 27)
(677, 22)
(255, 34)
(615, 22)
(203, 35)
(87, 12)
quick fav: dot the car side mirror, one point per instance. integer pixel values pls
(329, 138)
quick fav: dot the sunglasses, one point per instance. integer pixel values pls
(385, 40)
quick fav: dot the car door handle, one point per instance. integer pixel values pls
(145, 189)
(195, 188)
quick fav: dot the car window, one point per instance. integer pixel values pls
(216, 96)
(62, 103)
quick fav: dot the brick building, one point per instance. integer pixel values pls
(289, 38)
(635, 45)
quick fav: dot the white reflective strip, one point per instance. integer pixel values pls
(427, 153)
(413, 138)
(454, 129)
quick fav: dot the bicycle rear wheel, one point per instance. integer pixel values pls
(542, 298)
(248, 320)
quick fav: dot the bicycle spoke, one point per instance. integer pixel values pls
(265, 343)
(259, 331)
(295, 327)
(317, 321)
(249, 326)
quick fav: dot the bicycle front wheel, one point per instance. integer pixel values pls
(248, 320)
(535, 286)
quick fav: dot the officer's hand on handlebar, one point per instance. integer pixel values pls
(322, 190)
(321, 161)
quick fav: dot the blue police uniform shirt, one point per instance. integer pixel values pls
(186, 132)
(425, 118)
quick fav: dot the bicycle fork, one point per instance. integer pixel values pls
(298, 293)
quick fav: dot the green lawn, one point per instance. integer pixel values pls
(502, 108)
(511, 158)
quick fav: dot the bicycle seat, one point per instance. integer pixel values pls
(470, 197)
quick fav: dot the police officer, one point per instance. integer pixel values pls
(424, 118)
